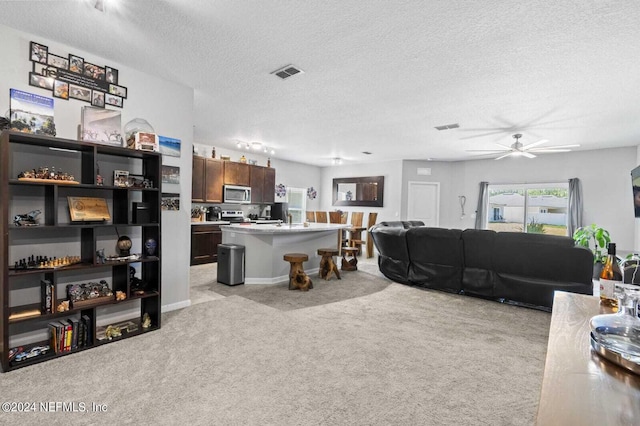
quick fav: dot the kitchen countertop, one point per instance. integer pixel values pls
(253, 228)
(211, 222)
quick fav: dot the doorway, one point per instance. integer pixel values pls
(424, 202)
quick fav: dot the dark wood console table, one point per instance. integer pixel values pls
(579, 387)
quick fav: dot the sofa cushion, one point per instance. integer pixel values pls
(478, 248)
(435, 258)
(529, 267)
(393, 256)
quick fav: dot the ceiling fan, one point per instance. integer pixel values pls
(517, 149)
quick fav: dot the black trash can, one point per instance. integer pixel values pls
(231, 264)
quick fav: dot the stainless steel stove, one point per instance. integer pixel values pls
(233, 216)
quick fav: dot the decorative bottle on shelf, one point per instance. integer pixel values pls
(610, 277)
(243, 159)
(269, 162)
(213, 152)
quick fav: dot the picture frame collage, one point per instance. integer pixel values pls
(72, 77)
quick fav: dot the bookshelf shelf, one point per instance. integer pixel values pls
(56, 234)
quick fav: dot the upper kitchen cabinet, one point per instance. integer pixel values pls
(236, 174)
(207, 180)
(263, 182)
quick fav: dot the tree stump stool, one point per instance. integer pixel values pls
(298, 279)
(349, 264)
(327, 265)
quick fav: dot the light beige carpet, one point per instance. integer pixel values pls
(400, 356)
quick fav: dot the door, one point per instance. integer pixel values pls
(424, 202)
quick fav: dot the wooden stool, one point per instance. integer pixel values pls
(327, 265)
(351, 264)
(297, 277)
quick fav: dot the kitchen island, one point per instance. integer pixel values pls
(266, 244)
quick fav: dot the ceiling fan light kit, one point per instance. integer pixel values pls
(517, 149)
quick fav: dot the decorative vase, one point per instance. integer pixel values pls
(124, 246)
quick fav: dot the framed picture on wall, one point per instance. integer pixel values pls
(112, 100)
(80, 93)
(111, 75)
(121, 91)
(170, 174)
(39, 52)
(60, 89)
(169, 146)
(40, 81)
(76, 64)
(58, 61)
(97, 98)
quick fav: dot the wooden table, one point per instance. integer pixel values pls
(579, 387)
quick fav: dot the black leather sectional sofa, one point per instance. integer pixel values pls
(506, 266)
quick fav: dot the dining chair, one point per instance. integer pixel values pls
(311, 216)
(355, 232)
(371, 220)
(335, 217)
(321, 217)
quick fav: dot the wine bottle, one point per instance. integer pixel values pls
(609, 277)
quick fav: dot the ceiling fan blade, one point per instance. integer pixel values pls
(531, 145)
(505, 155)
(544, 151)
(527, 154)
(504, 146)
(558, 147)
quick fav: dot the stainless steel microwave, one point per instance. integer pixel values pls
(237, 194)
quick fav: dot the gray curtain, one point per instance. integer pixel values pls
(575, 206)
(481, 211)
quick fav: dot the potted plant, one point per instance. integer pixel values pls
(596, 239)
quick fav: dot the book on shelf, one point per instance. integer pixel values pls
(53, 331)
(89, 329)
(100, 125)
(47, 297)
(74, 333)
(31, 113)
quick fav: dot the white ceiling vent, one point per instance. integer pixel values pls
(287, 71)
(448, 126)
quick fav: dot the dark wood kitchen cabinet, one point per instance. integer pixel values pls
(237, 174)
(207, 180)
(263, 182)
(204, 243)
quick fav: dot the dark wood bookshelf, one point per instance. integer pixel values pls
(51, 199)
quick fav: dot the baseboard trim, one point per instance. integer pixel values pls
(176, 306)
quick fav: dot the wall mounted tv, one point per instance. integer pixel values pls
(635, 181)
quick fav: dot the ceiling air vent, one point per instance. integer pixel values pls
(287, 71)
(366, 152)
(448, 126)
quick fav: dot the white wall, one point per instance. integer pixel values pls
(605, 177)
(392, 172)
(167, 106)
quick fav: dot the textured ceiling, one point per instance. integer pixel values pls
(378, 75)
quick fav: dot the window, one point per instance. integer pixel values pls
(532, 208)
(297, 199)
